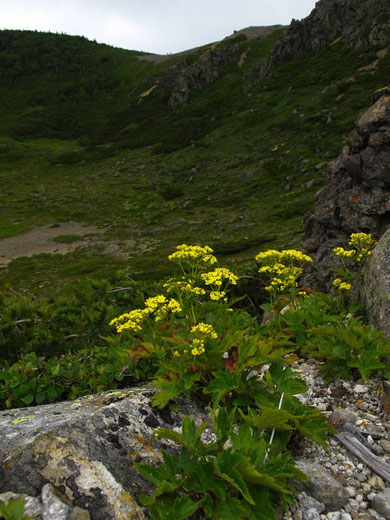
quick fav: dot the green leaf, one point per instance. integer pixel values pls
(28, 399)
(170, 508)
(232, 509)
(14, 510)
(223, 423)
(270, 418)
(228, 466)
(263, 508)
(286, 381)
(224, 382)
(40, 397)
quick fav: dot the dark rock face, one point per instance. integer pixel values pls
(85, 448)
(178, 82)
(359, 23)
(183, 79)
(357, 195)
(376, 285)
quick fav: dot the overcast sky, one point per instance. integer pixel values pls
(161, 26)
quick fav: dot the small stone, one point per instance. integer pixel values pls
(376, 482)
(79, 514)
(370, 440)
(385, 445)
(341, 417)
(322, 406)
(366, 488)
(360, 389)
(311, 514)
(351, 491)
(385, 397)
(381, 503)
(345, 516)
(378, 450)
(297, 515)
(361, 477)
(53, 508)
(333, 515)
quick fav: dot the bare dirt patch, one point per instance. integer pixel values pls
(40, 240)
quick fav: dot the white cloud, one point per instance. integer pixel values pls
(154, 25)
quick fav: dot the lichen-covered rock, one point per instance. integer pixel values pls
(85, 448)
(357, 195)
(322, 486)
(376, 285)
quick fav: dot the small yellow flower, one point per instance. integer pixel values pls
(205, 329)
(344, 286)
(217, 295)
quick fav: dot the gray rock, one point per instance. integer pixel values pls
(381, 503)
(306, 502)
(376, 285)
(85, 448)
(53, 508)
(355, 198)
(311, 514)
(322, 486)
(340, 418)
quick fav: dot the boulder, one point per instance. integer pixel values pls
(85, 449)
(322, 486)
(356, 197)
(381, 503)
(376, 285)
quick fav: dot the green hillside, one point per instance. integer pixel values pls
(235, 167)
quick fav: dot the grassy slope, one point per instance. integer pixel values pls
(241, 186)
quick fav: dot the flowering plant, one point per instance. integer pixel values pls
(352, 261)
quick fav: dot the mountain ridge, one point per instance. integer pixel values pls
(234, 161)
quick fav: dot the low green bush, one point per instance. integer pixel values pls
(236, 476)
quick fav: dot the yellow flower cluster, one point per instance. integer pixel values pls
(362, 244)
(130, 320)
(218, 276)
(160, 306)
(362, 241)
(289, 256)
(217, 295)
(154, 303)
(187, 286)
(343, 253)
(205, 329)
(192, 254)
(341, 286)
(197, 347)
(280, 267)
